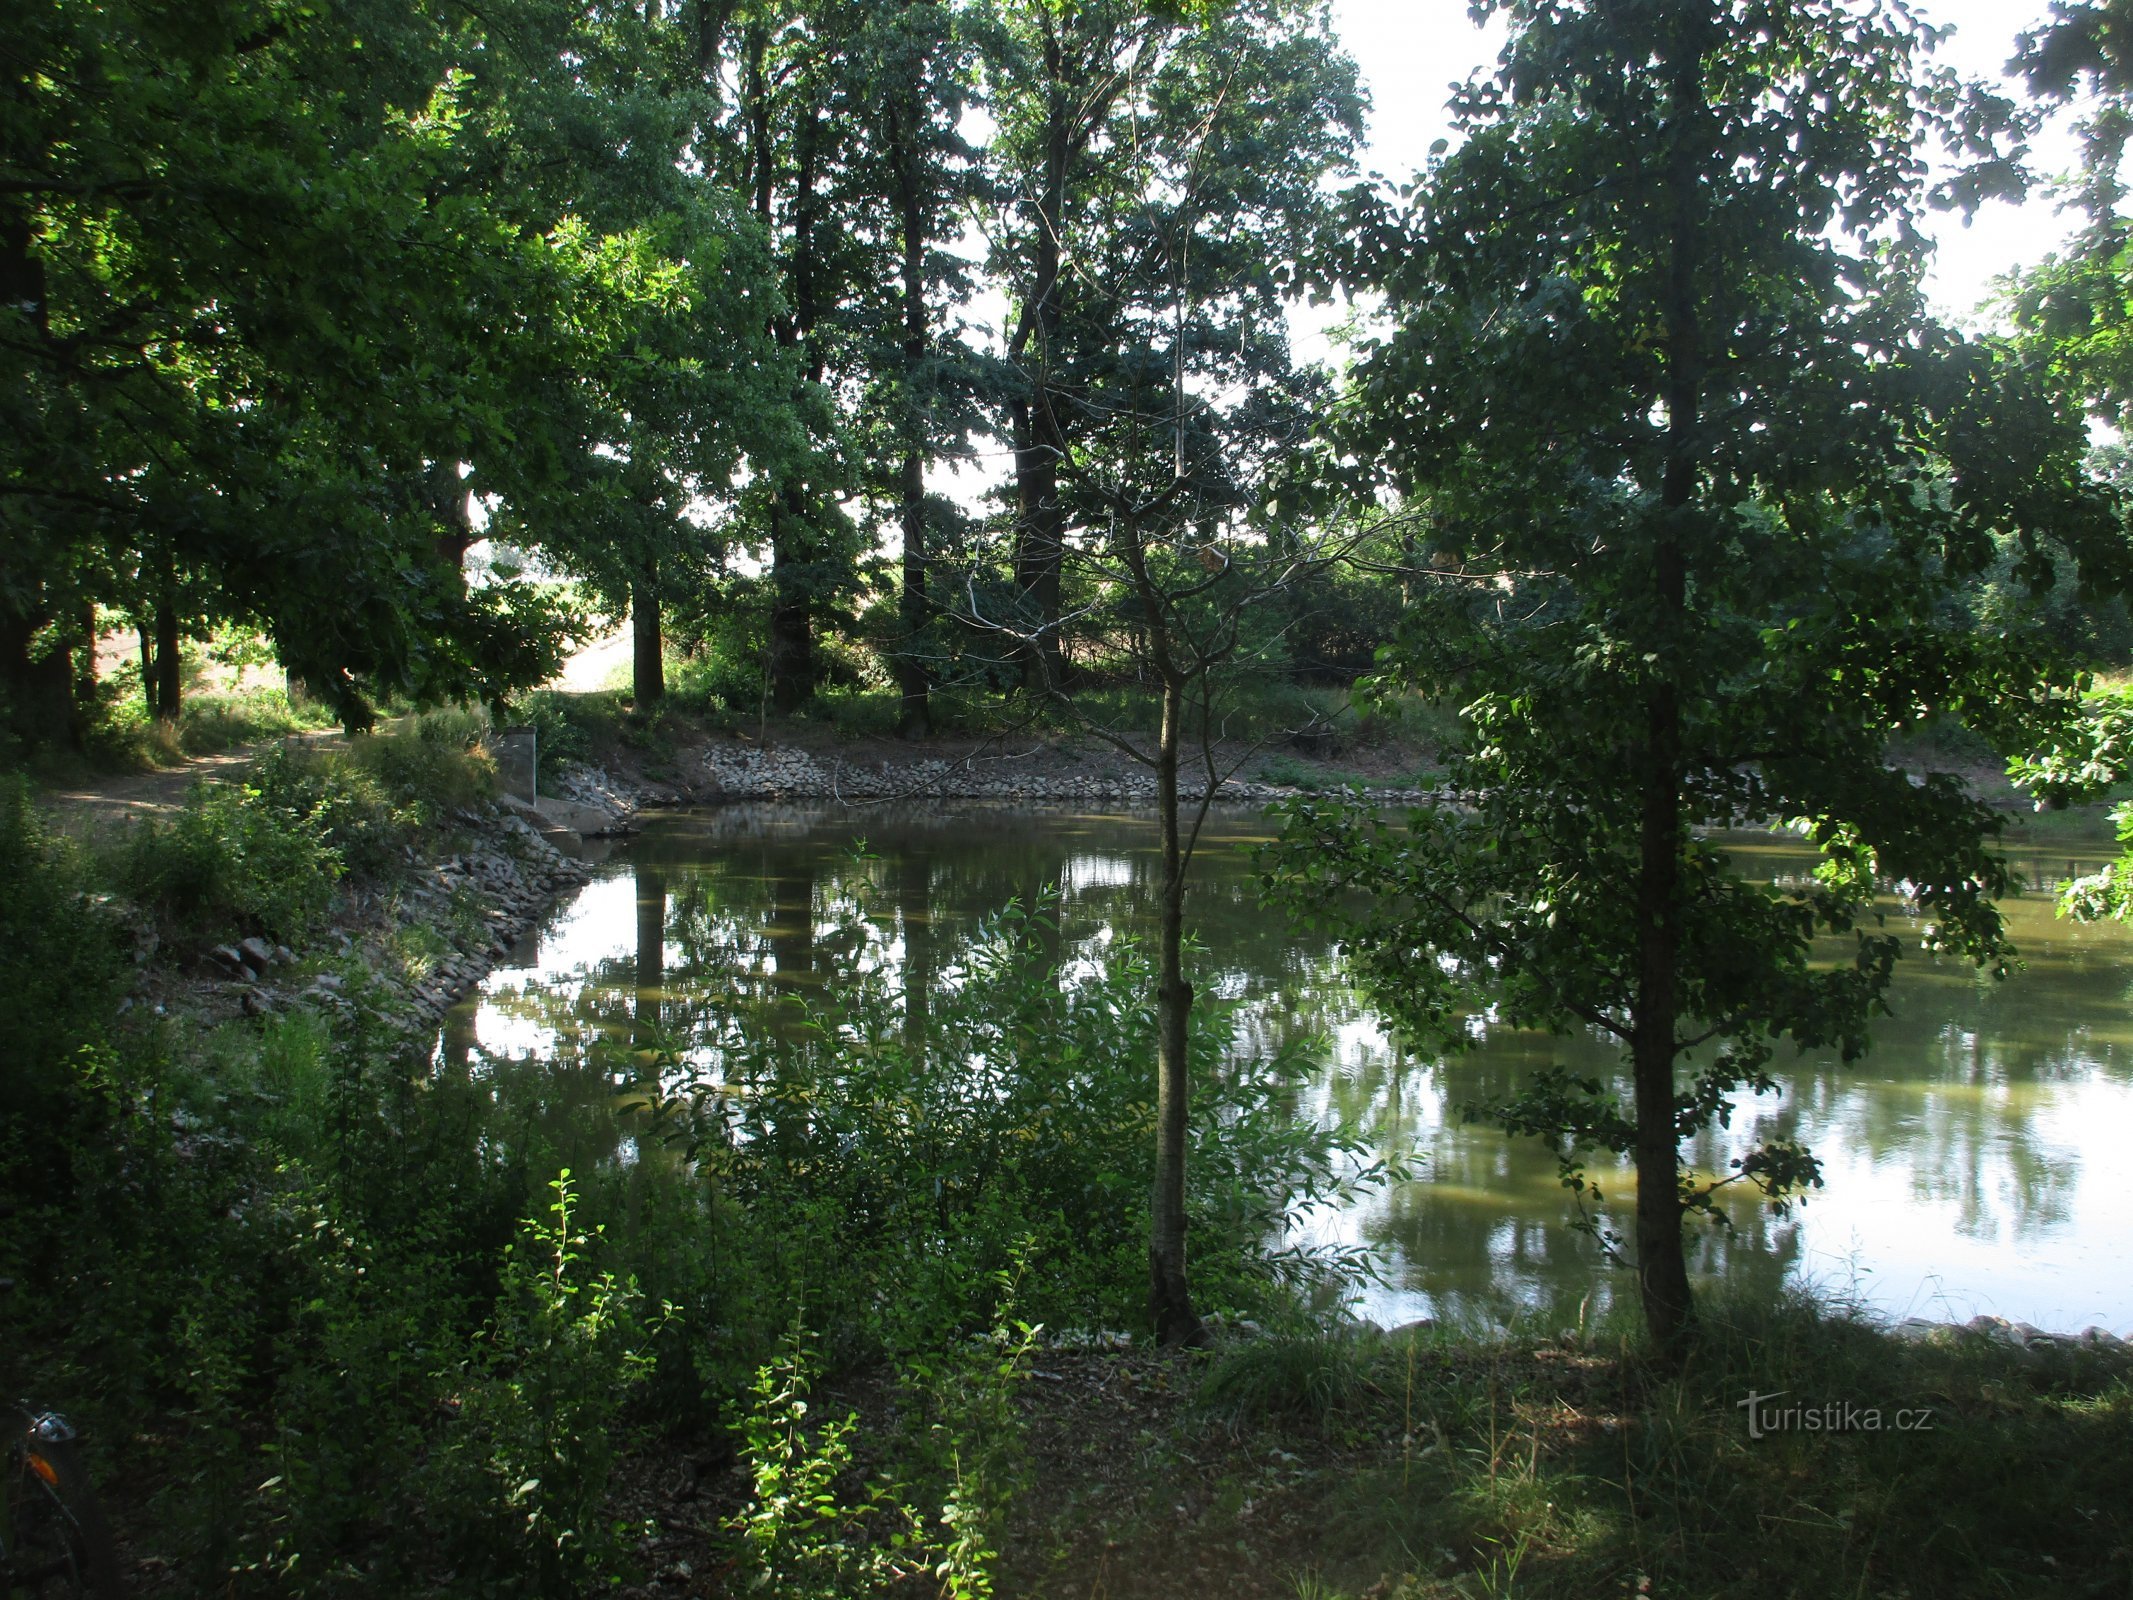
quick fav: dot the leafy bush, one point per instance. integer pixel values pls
(563, 727)
(801, 1539)
(431, 769)
(542, 1409)
(62, 968)
(252, 860)
(893, 1177)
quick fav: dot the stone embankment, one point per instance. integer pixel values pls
(1044, 775)
(381, 958)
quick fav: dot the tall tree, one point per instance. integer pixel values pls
(298, 283)
(1702, 478)
(1184, 411)
(797, 137)
(919, 59)
(1057, 82)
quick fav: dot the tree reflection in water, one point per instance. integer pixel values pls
(1969, 1156)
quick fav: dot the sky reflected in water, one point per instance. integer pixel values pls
(1973, 1160)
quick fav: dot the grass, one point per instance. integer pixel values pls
(1573, 1467)
(209, 723)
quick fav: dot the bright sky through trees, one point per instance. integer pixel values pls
(1411, 51)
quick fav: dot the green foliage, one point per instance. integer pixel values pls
(889, 1179)
(1672, 584)
(1313, 1376)
(563, 726)
(435, 242)
(2088, 759)
(264, 855)
(237, 859)
(63, 966)
(208, 723)
(541, 1410)
(801, 1539)
(1560, 1469)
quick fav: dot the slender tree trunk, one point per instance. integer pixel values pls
(790, 656)
(1039, 437)
(915, 719)
(148, 669)
(648, 666)
(1169, 1298)
(1040, 524)
(167, 661)
(1662, 1266)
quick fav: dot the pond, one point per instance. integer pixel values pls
(1973, 1160)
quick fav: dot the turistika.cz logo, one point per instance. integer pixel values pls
(1766, 1417)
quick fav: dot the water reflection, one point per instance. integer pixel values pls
(1972, 1158)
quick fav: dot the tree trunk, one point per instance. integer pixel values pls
(455, 514)
(792, 634)
(36, 691)
(915, 719)
(1038, 436)
(1169, 1298)
(167, 660)
(148, 669)
(1040, 539)
(1662, 1266)
(648, 667)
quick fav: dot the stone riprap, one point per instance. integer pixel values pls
(782, 772)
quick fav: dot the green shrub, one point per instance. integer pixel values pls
(802, 1536)
(526, 1474)
(893, 1177)
(432, 769)
(63, 967)
(236, 860)
(564, 726)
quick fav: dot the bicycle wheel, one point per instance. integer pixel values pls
(59, 1544)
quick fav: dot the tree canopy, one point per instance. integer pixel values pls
(1703, 480)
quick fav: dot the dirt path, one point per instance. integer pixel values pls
(102, 803)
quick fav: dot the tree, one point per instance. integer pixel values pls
(1054, 86)
(291, 285)
(919, 59)
(1183, 415)
(1702, 479)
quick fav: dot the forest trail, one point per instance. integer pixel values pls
(105, 801)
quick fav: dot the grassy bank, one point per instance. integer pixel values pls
(1569, 1466)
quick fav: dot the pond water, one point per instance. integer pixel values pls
(1974, 1160)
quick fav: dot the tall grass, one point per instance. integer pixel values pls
(1574, 1467)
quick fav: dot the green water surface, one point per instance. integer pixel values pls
(1975, 1160)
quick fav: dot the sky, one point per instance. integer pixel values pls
(1412, 51)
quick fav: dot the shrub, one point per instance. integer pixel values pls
(62, 967)
(542, 1406)
(235, 856)
(894, 1177)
